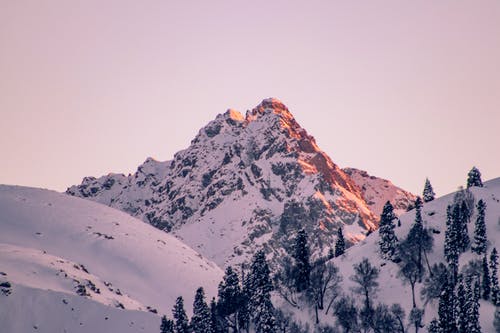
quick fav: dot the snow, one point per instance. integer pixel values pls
(51, 242)
(391, 289)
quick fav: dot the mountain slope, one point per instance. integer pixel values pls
(248, 181)
(391, 289)
(56, 249)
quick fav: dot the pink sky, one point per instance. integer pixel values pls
(401, 89)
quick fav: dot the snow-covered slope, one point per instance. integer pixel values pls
(391, 289)
(378, 191)
(77, 265)
(247, 181)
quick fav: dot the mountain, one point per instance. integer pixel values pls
(248, 181)
(377, 191)
(68, 264)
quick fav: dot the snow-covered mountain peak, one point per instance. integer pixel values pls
(250, 182)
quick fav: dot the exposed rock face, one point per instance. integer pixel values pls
(245, 182)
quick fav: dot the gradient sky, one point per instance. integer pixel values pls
(402, 89)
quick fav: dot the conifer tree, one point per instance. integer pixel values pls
(434, 326)
(486, 280)
(167, 325)
(388, 240)
(259, 285)
(200, 321)
(480, 240)
(181, 323)
(340, 243)
(474, 178)
(428, 193)
(446, 310)
(473, 292)
(214, 318)
(229, 298)
(495, 291)
(462, 309)
(302, 262)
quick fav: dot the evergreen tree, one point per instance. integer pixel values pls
(302, 262)
(474, 178)
(446, 310)
(451, 248)
(167, 325)
(181, 323)
(340, 243)
(495, 292)
(229, 296)
(480, 240)
(473, 292)
(215, 326)
(462, 309)
(486, 279)
(259, 285)
(201, 320)
(434, 326)
(428, 193)
(388, 240)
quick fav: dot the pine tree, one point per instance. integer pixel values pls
(462, 309)
(446, 310)
(259, 285)
(486, 280)
(473, 292)
(229, 295)
(428, 193)
(214, 318)
(388, 240)
(302, 262)
(200, 321)
(434, 326)
(340, 243)
(181, 322)
(167, 325)
(480, 239)
(474, 178)
(495, 291)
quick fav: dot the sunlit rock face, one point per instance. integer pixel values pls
(244, 183)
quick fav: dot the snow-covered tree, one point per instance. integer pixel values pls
(434, 326)
(428, 193)
(200, 321)
(486, 279)
(340, 243)
(167, 325)
(229, 298)
(462, 308)
(446, 310)
(259, 285)
(388, 241)
(495, 290)
(181, 322)
(480, 239)
(473, 292)
(474, 178)
(301, 255)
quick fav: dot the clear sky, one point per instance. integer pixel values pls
(402, 89)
